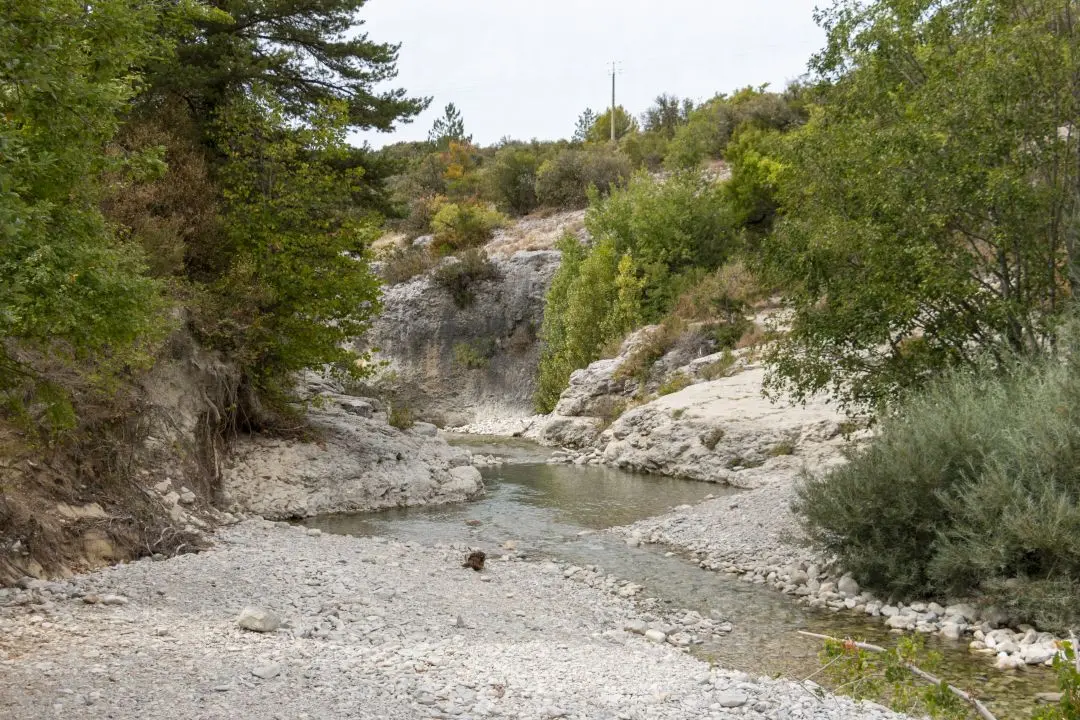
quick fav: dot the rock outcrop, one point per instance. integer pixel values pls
(453, 365)
(715, 428)
(356, 462)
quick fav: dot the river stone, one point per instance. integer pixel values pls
(848, 586)
(731, 699)
(889, 611)
(950, 631)
(266, 671)
(798, 577)
(638, 627)
(901, 622)
(961, 610)
(655, 635)
(1037, 654)
(258, 620)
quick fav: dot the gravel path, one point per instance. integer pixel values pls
(372, 629)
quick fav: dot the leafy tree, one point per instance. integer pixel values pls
(931, 204)
(584, 125)
(668, 228)
(511, 178)
(589, 285)
(666, 115)
(600, 131)
(450, 128)
(305, 53)
(564, 180)
(710, 127)
(297, 287)
(74, 301)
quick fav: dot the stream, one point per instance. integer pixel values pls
(556, 511)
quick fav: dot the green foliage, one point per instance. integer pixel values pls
(75, 305)
(709, 128)
(554, 370)
(970, 488)
(866, 675)
(511, 179)
(461, 276)
(400, 416)
(301, 52)
(666, 115)
(668, 228)
(474, 355)
(600, 131)
(650, 348)
(448, 128)
(594, 299)
(675, 383)
(563, 181)
(719, 368)
(402, 264)
(584, 124)
(297, 287)
(1068, 674)
(928, 216)
(459, 226)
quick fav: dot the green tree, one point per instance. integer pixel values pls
(74, 301)
(297, 287)
(669, 228)
(930, 206)
(584, 125)
(511, 179)
(450, 128)
(666, 115)
(555, 368)
(303, 52)
(600, 131)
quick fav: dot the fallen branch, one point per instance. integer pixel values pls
(915, 670)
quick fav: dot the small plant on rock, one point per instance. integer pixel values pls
(461, 278)
(677, 382)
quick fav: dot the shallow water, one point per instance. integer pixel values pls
(555, 510)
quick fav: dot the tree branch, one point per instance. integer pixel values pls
(917, 671)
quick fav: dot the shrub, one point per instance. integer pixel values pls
(971, 488)
(651, 348)
(421, 212)
(564, 180)
(474, 355)
(461, 276)
(404, 263)
(511, 179)
(675, 383)
(400, 417)
(719, 368)
(458, 226)
(594, 298)
(669, 228)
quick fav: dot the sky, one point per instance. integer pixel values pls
(527, 68)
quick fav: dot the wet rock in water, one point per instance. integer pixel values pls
(473, 523)
(475, 560)
(258, 620)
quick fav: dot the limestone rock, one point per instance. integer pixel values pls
(360, 463)
(258, 620)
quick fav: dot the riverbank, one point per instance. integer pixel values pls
(371, 628)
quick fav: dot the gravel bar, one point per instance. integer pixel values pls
(356, 628)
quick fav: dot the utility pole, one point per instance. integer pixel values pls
(614, 71)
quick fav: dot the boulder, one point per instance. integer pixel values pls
(258, 620)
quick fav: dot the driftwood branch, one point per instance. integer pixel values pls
(917, 671)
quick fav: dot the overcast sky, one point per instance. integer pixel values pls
(527, 68)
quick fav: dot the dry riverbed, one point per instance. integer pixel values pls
(371, 628)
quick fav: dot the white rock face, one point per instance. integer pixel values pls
(713, 430)
(359, 463)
